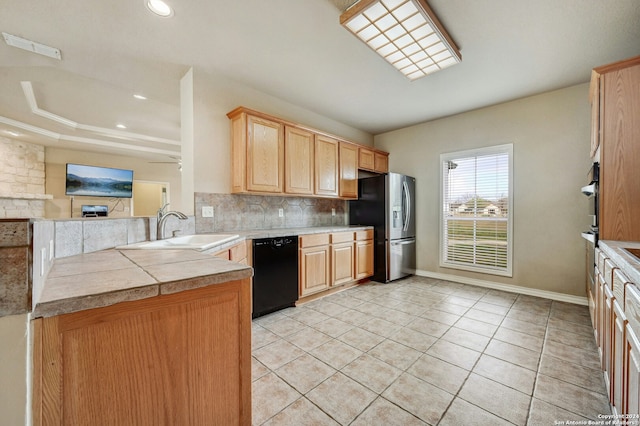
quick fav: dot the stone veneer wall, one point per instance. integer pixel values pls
(241, 212)
(22, 178)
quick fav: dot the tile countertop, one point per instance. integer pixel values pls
(629, 264)
(285, 232)
(107, 277)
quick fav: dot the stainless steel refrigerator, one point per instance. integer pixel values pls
(387, 203)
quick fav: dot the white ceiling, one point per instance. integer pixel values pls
(293, 49)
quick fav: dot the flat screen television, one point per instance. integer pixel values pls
(92, 181)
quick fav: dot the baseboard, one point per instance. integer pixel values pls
(561, 297)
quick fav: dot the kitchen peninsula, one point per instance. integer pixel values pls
(144, 337)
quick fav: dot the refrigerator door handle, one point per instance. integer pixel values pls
(403, 243)
(407, 206)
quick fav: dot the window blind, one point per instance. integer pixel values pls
(476, 210)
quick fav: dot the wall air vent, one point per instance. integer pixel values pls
(32, 46)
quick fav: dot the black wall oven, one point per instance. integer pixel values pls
(591, 191)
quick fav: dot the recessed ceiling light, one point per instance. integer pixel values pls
(121, 126)
(141, 97)
(12, 133)
(160, 8)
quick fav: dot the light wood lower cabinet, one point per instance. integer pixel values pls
(342, 263)
(235, 253)
(314, 264)
(364, 254)
(332, 260)
(183, 358)
(631, 358)
(616, 318)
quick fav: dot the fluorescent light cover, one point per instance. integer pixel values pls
(160, 8)
(121, 126)
(141, 97)
(32, 46)
(406, 33)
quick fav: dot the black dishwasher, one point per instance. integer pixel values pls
(275, 274)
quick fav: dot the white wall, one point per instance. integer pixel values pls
(550, 135)
(214, 97)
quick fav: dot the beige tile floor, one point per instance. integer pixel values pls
(426, 352)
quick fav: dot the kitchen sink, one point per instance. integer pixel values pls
(199, 242)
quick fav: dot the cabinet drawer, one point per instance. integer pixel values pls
(600, 260)
(341, 237)
(607, 272)
(619, 282)
(312, 240)
(364, 235)
(632, 307)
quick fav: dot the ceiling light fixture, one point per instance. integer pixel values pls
(121, 126)
(141, 97)
(404, 32)
(32, 46)
(160, 8)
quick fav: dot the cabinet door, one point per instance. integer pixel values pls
(314, 270)
(265, 155)
(600, 317)
(171, 359)
(620, 155)
(342, 263)
(348, 170)
(326, 154)
(299, 163)
(381, 162)
(364, 259)
(632, 372)
(619, 322)
(366, 159)
(607, 349)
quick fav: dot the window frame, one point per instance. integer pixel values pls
(484, 151)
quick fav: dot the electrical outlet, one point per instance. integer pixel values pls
(333, 212)
(280, 212)
(207, 211)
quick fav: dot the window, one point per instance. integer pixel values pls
(476, 231)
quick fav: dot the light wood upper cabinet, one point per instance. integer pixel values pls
(366, 159)
(274, 156)
(257, 153)
(326, 166)
(381, 162)
(373, 160)
(348, 170)
(299, 161)
(616, 123)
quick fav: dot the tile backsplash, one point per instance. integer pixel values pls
(241, 212)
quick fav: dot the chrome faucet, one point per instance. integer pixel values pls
(162, 217)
